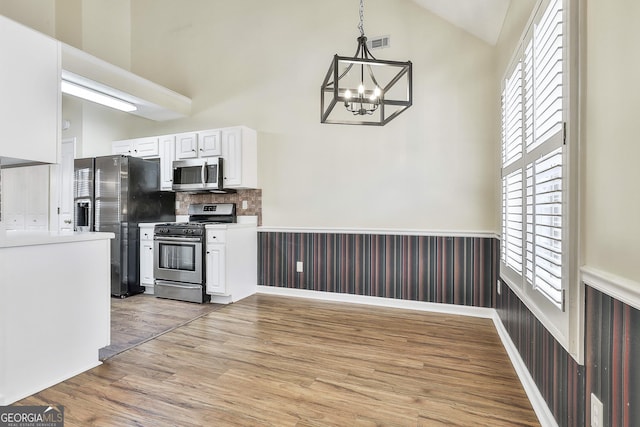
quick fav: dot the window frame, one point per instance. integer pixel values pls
(565, 325)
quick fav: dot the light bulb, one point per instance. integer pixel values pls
(373, 97)
(361, 89)
(347, 94)
(377, 92)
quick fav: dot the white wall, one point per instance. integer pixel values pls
(106, 30)
(37, 14)
(261, 64)
(611, 213)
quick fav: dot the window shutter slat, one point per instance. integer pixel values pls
(546, 192)
(512, 117)
(548, 74)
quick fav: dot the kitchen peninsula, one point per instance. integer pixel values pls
(54, 308)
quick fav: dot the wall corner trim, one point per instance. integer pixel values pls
(623, 289)
(544, 414)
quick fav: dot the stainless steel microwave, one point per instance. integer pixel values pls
(198, 174)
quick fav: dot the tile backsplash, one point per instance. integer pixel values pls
(251, 196)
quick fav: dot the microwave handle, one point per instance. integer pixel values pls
(203, 173)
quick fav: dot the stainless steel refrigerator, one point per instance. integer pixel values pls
(114, 194)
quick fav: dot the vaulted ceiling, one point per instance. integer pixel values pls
(482, 18)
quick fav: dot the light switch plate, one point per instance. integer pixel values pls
(596, 412)
(299, 267)
(499, 287)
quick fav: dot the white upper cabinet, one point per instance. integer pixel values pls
(30, 86)
(167, 156)
(209, 143)
(138, 147)
(240, 154)
(198, 144)
(236, 145)
(186, 146)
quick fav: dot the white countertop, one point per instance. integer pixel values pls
(33, 238)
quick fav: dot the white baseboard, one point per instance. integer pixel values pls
(545, 416)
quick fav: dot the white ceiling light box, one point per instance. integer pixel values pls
(71, 85)
(85, 74)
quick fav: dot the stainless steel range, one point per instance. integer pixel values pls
(179, 264)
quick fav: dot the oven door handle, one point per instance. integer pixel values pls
(178, 285)
(177, 239)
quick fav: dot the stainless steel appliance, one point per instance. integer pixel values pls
(114, 194)
(83, 194)
(179, 248)
(198, 174)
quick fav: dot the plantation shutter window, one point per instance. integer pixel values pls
(533, 159)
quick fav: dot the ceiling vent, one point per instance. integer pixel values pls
(379, 42)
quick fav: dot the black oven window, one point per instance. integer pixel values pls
(174, 256)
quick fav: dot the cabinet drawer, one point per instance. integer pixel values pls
(216, 236)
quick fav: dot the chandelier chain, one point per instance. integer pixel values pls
(361, 25)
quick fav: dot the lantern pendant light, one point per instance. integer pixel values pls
(363, 90)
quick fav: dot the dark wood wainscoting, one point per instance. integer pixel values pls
(453, 270)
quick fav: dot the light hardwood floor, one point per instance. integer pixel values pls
(275, 361)
(142, 317)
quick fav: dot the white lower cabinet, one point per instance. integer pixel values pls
(231, 262)
(215, 262)
(146, 257)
